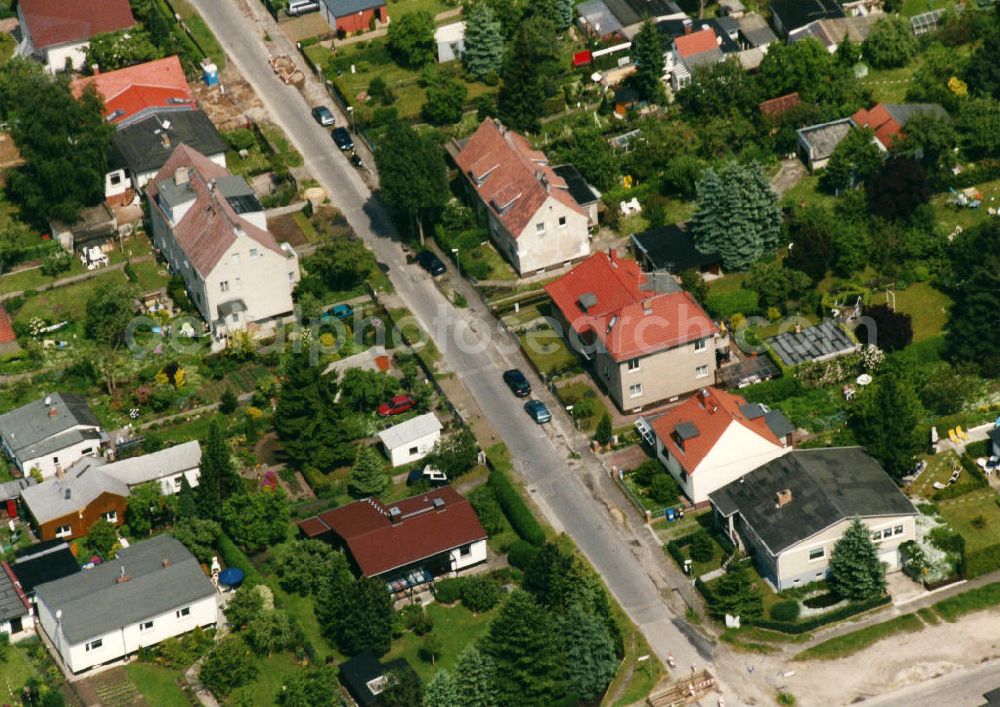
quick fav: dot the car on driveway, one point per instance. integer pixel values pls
(431, 263)
(342, 139)
(396, 406)
(517, 383)
(323, 115)
(539, 413)
(339, 311)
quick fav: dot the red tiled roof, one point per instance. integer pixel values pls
(7, 334)
(54, 22)
(136, 89)
(207, 230)
(777, 106)
(878, 119)
(712, 412)
(695, 43)
(513, 175)
(627, 320)
(379, 545)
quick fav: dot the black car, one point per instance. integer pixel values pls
(342, 138)
(517, 383)
(323, 115)
(431, 263)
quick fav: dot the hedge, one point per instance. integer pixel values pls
(234, 557)
(521, 553)
(448, 591)
(785, 610)
(520, 516)
(818, 621)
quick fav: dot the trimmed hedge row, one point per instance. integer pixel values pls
(521, 553)
(234, 557)
(816, 622)
(522, 520)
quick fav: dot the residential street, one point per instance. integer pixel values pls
(561, 487)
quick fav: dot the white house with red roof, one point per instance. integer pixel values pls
(411, 541)
(531, 214)
(212, 230)
(58, 32)
(648, 340)
(715, 437)
(132, 93)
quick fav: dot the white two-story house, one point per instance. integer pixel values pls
(530, 211)
(213, 231)
(58, 32)
(50, 434)
(150, 592)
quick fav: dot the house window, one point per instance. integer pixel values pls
(111, 516)
(562, 222)
(700, 344)
(465, 550)
(633, 364)
(254, 253)
(701, 371)
(414, 450)
(145, 626)
(116, 179)
(64, 531)
(291, 277)
(877, 536)
(898, 530)
(179, 482)
(635, 390)
(94, 645)
(816, 553)
(540, 228)
(181, 613)
(236, 259)
(239, 284)
(236, 317)
(224, 285)
(88, 450)
(887, 533)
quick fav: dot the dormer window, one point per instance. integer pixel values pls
(480, 178)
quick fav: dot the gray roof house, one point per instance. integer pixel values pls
(55, 430)
(790, 512)
(151, 591)
(164, 466)
(817, 142)
(15, 609)
(80, 485)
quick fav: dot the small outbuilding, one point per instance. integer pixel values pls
(817, 142)
(411, 440)
(365, 677)
(450, 41)
(15, 609)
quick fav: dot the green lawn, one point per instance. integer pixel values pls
(850, 643)
(15, 671)
(308, 230)
(984, 597)
(301, 609)
(807, 192)
(918, 7)
(157, 684)
(927, 306)
(500, 269)
(950, 216)
(728, 283)
(152, 275)
(398, 8)
(890, 85)
(66, 303)
(573, 393)
(271, 676)
(976, 517)
(456, 626)
(548, 351)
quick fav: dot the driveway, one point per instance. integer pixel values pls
(565, 489)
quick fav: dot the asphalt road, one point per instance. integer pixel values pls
(963, 688)
(538, 455)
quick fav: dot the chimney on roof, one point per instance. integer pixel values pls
(166, 563)
(688, 25)
(165, 140)
(95, 69)
(613, 256)
(181, 175)
(782, 498)
(122, 578)
(52, 411)
(48, 400)
(395, 515)
(647, 306)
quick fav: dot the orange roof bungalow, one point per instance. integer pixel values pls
(135, 92)
(889, 119)
(648, 341)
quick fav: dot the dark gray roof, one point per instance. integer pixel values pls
(756, 32)
(753, 410)
(12, 489)
(581, 192)
(671, 248)
(93, 602)
(816, 343)
(824, 138)
(630, 12)
(778, 423)
(231, 306)
(28, 429)
(827, 485)
(142, 148)
(798, 13)
(341, 8)
(170, 193)
(82, 483)
(902, 112)
(686, 430)
(45, 562)
(994, 435)
(238, 193)
(360, 670)
(12, 605)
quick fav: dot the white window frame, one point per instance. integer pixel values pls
(183, 613)
(540, 228)
(633, 365)
(254, 253)
(820, 556)
(94, 645)
(635, 390)
(562, 222)
(898, 530)
(64, 531)
(875, 535)
(700, 344)
(224, 286)
(701, 371)
(465, 550)
(110, 516)
(146, 626)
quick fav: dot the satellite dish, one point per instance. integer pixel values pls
(58, 614)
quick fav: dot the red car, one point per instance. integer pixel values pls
(396, 406)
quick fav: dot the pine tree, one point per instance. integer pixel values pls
(483, 41)
(855, 570)
(647, 52)
(187, 505)
(735, 594)
(523, 91)
(737, 215)
(604, 431)
(523, 643)
(479, 677)
(228, 402)
(217, 474)
(441, 691)
(368, 477)
(885, 420)
(589, 651)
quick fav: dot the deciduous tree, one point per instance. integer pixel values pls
(361, 617)
(310, 687)
(413, 177)
(886, 328)
(268, 632)
(853, 161)
(198, 535)
(102, 536)
(303, 565)
(856, 572)
(897, 188)
(983, 71)
(106, 319)
(891, 43)
(228, 665)
(411, 38)
(445, 101)
(147, 508)
(973, 328)
(256, 520)
(116, 50)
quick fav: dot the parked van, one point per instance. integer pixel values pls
(301, 7)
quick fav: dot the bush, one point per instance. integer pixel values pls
(484, 502)
(786, 611)
(448, 591)
(481, 594)
(521, 553)
(520, 516)
(664, 489)
(416, 619)
(234, 557)
(228, 665)
(701, 547)
(822, 601)
(814, 623)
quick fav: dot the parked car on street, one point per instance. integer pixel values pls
(396, 406)
(538, 411)
(431, 263)
(517, 383)
(342, 139)
(323, 115)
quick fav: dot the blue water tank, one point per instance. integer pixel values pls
(211, 74)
